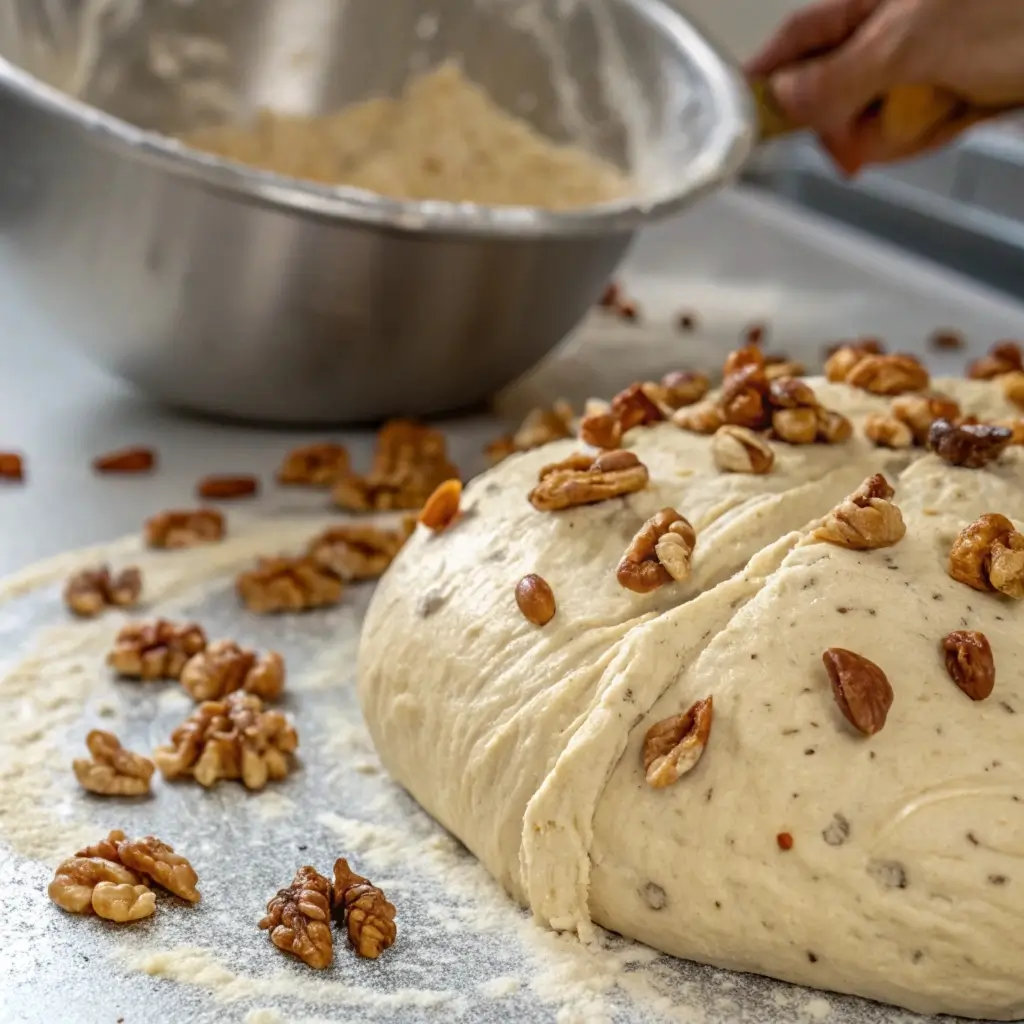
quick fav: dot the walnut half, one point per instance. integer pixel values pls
(368, 915)
(157, 860)
(673, 746)
(658, 554)
(89, 591)
(288, 585)
(867, 519)
(356, 551)
(298, 919)
(971, 445)
(113, 771)
(583, 480)
(970, 663)
(739, 450)
(988, 555)
(860, 688)
(77, 877)
(181, 528)
(155, 648)
(224, 667)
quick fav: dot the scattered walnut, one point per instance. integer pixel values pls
(635, 408)
(314, 465)
(841, 362)
(227, 488)
(441, 509)
(368, 915)
(971, 446)
(77, 877)
(658, 554)
(1013, 387)
(299, 919)
(178, 528)
(888, 374)
(601, 430)
(680, 389)
(157, 860)
(288, 585)
(919, 412)
(969, 662)
(866, 519)
(860, 688)
(783, 368)
(744, 400)
(673, 746)
(1003, 358)
(155, 648)
(536, 599)
(127, 460)
(988, 555)
(105, 848)
(354, 551)
(113, 771)
(580, 480)
(946, 340)
(224, 667)
(89, 591)
(795, 426)
(123, 903)
(790, 393)
(744, 358)
(738, 450)
(833, 427)
(888, 432)
(702, 418)
(12, 467)
(232, 738)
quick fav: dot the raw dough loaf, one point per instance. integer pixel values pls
(905, 881)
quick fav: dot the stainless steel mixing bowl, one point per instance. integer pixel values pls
(224, 289)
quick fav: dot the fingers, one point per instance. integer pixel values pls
(868, 142)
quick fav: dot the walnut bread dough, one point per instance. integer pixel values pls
(885, 865)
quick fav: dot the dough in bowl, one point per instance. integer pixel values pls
(889, 865)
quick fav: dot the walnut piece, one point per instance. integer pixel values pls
(635, 408)
(356, 551)
(536, 599)
(314, 465)
(1003, 358)
(1013, 387)
(796, 426)
(833, 427)
(744, 401)
(860, 688)
(658, 554)
(441, 509)
(368, 915)
(88, 591)
(888, 432)
(673, 746)
(775, 369)
(919, 412)
(682, 388)
(969, 662)
(601, 430)
(105, 848)
(288, 585)
(888, 374)
(180, 528)
(126, 460)
(844, 358)
(865, 520)
(582, 480)
(743, 358)
(124, 902)
(76, 879)
(972, 446)
(739, 450)
(113, 771)
(12, 467)
(224, 667)
(155, 648)
(157, 860)
(298, 919)
(232, 738)
(988, 555)
(227, 488)
(702, 418)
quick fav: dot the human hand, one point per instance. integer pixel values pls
(831, 64)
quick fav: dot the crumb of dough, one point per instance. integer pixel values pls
(444, 138)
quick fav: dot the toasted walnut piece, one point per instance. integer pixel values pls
(12, 467)
(1003, 358)
(568, 484)
(833, 427)
(919, 412)
(542, 426)
(673, 746)
(155, 648)
(601, 430)
(658, 554)
(1006, 566)
(227, 488)
(288, 585)
(738, 450)
(888, 432)
(113, 771)
(232, 738)
(358, 552)
(790, 393)
(224, 667)
(969, 662)
(76, 878)
(744, 399)
(1013, 387)
(536, 599)
(635, 408)
(796, 426)
(681, 388)
(123, 903)
(442, 507)
(889, 374)
(368, 915)
(88, 591)
(106, 849)
(702, 418)
(865, 520)
(314, 465)
(860, 688)
(742, 359)
(126, 460)
(946, 340)
(971, 446)
(784, 368)
(299, 919)
(179, 528)
(157, 860)
(841, 362)
(973, 551)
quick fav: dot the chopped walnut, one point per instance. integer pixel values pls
(680, 389)
(77, 877)
(702, 418)
(888, 374)
(841, 362)
(919, 412)
(860, 688)
(353, 551)
(969, 662)
(178, 528)
(989, 555)
(224, 667)
(123, 903)
(740, 359)
(288, 585)
(536, 599)
(673, 746)
(314, 465)
(635, 408)
(972, 446)
(659, 553)
(1003, 358)
(865, 520)
(601, 430)
(232, 738)
(738, 450)
(155, 648)
(113, 771)
(744, 400)
(12, 467)
(157, 860)
(227, 488)
(441, 509)
(126, 460)
(888, 432)
(299, 919)
(1013, 387)
(833, 427)
(580, 480)
(368, 915)
(89, 591)
(946, 340)
(411, 460)
(774, 370)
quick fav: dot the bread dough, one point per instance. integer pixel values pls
(444, 138)
(905, 881)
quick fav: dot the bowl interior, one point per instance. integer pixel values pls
(629, 80)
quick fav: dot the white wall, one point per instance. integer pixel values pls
(740, 26)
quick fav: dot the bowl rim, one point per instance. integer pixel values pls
(729, 146)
